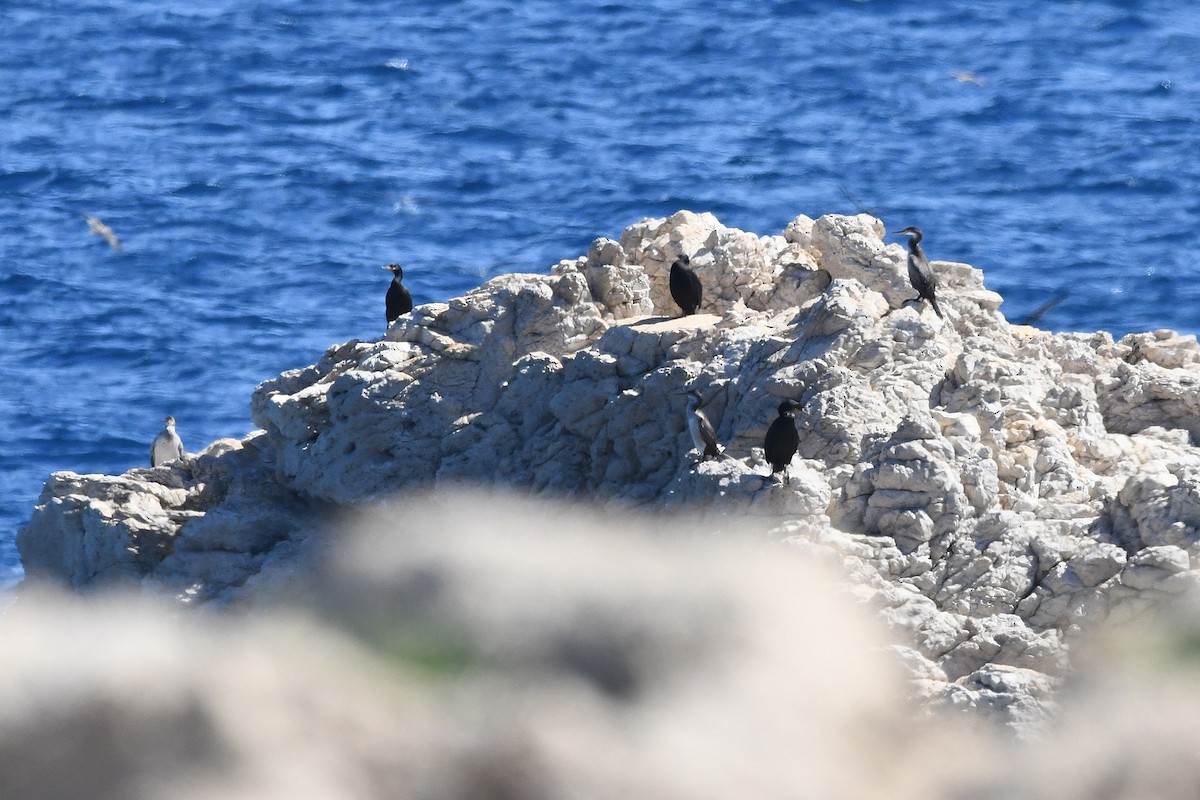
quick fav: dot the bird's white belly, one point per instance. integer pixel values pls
(694, 430)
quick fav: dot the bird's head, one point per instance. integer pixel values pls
(787, 407)
(912, 231)
(683, 260)
(170, 423)
(395, 268)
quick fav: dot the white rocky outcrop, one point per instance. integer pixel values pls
(993, 490)
(198, 527)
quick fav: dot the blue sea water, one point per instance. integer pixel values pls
(261, 160)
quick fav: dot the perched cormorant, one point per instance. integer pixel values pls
(782, 441)
(685, 286)
(919, 274)
(167, 446)
(399, 301)
(704, 438)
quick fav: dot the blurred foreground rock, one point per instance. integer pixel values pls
(993, 490)
(481, 648)
(485, 648)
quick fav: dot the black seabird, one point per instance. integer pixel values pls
(782, 441)
(167, 446)
(704, 438)
(399, 301)
(685, 286)
(919, 273)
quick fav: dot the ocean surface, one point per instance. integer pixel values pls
(260, 161)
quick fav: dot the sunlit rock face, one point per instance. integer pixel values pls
(992, 489)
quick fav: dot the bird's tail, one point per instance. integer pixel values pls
(936, 309)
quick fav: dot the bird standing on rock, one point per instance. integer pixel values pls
(782, 440)
(167, 446)
(686, 290)
(704, 438)
(920, 275)
(399, 301)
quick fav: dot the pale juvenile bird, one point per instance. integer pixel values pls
(167, 445)
(103, 231)
(685, 286)
(399, 300)
(920, 275)
(704, 438)
(963, 76)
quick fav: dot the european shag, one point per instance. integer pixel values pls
(782, 441)
(685, 286)
(167, 446)
(399, 301)
(704, 438)
(919, 274)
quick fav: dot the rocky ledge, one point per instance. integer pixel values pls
(993, 490)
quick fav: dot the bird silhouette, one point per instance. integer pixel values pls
(399, 299)
(920, 275)
(782, 440)
(686, 290)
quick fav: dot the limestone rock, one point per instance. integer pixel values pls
(852, 248)
(995, 491)
(198, 527)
